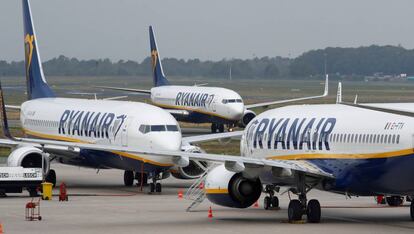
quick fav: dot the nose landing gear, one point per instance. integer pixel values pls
(154, 186)
(217, 128)
(271, 201)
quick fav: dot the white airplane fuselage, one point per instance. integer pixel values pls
(104, 122)
(204, 104)
(368, 152)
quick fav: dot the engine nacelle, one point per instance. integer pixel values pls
(231, 189)
(194, 169)
(248, 115)
(29, 157)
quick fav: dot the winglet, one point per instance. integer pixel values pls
(356, 99)
(326, 91)
(339, 94)
(6, 129)
(157, 71)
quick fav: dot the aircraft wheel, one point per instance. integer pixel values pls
(266, 203)
(144, 178)
(213, 128)
(313, 211)
(412, 210)
(295, 210)
(158, 188)
(51, 177)
(221, 127)
(275, 202)
(395, 200)
(128, 178)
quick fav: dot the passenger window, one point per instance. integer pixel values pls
(398, 139)
(393, 138)
(375, 139)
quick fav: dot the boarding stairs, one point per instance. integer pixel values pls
(196, 191)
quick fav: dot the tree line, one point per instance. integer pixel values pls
(351, 62)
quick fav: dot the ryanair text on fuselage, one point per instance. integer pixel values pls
(193, 99)
(89, 123)
(291, 133)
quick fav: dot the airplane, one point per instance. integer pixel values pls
(201, 104)
(106, 122)
(341, 148)
(345, 148)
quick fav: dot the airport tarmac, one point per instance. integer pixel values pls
(99, 203)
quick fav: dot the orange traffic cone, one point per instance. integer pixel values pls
(256, 204)
(180, 194)
(210, 213)
(1, 228)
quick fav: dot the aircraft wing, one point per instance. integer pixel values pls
(299, 166)
(265, 104)
(146, 91)
(210, 137)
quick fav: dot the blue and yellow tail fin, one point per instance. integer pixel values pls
(36, 83)
(158, 73)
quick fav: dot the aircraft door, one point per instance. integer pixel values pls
(213, 103)
(124, 133)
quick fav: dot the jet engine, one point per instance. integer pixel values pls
(231, 189)
(248, 115)
(194, 169)
(28, 156)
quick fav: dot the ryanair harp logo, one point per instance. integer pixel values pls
(154, 58)
(29, 46)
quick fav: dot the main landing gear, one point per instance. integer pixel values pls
(271, 201)
(299, 207)
(217, 128)
(130, 176)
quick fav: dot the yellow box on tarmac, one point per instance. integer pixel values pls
(47, 191)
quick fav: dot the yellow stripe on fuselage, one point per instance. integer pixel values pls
(191, 109)
(389, 154)
(216, 191)
(69, 139)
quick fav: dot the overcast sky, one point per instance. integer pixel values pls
(209, 30)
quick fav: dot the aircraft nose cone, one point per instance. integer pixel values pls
(236, 111)
(169, 141)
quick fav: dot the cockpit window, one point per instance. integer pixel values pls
(172, 128)
(158, 128)
(225, 101)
